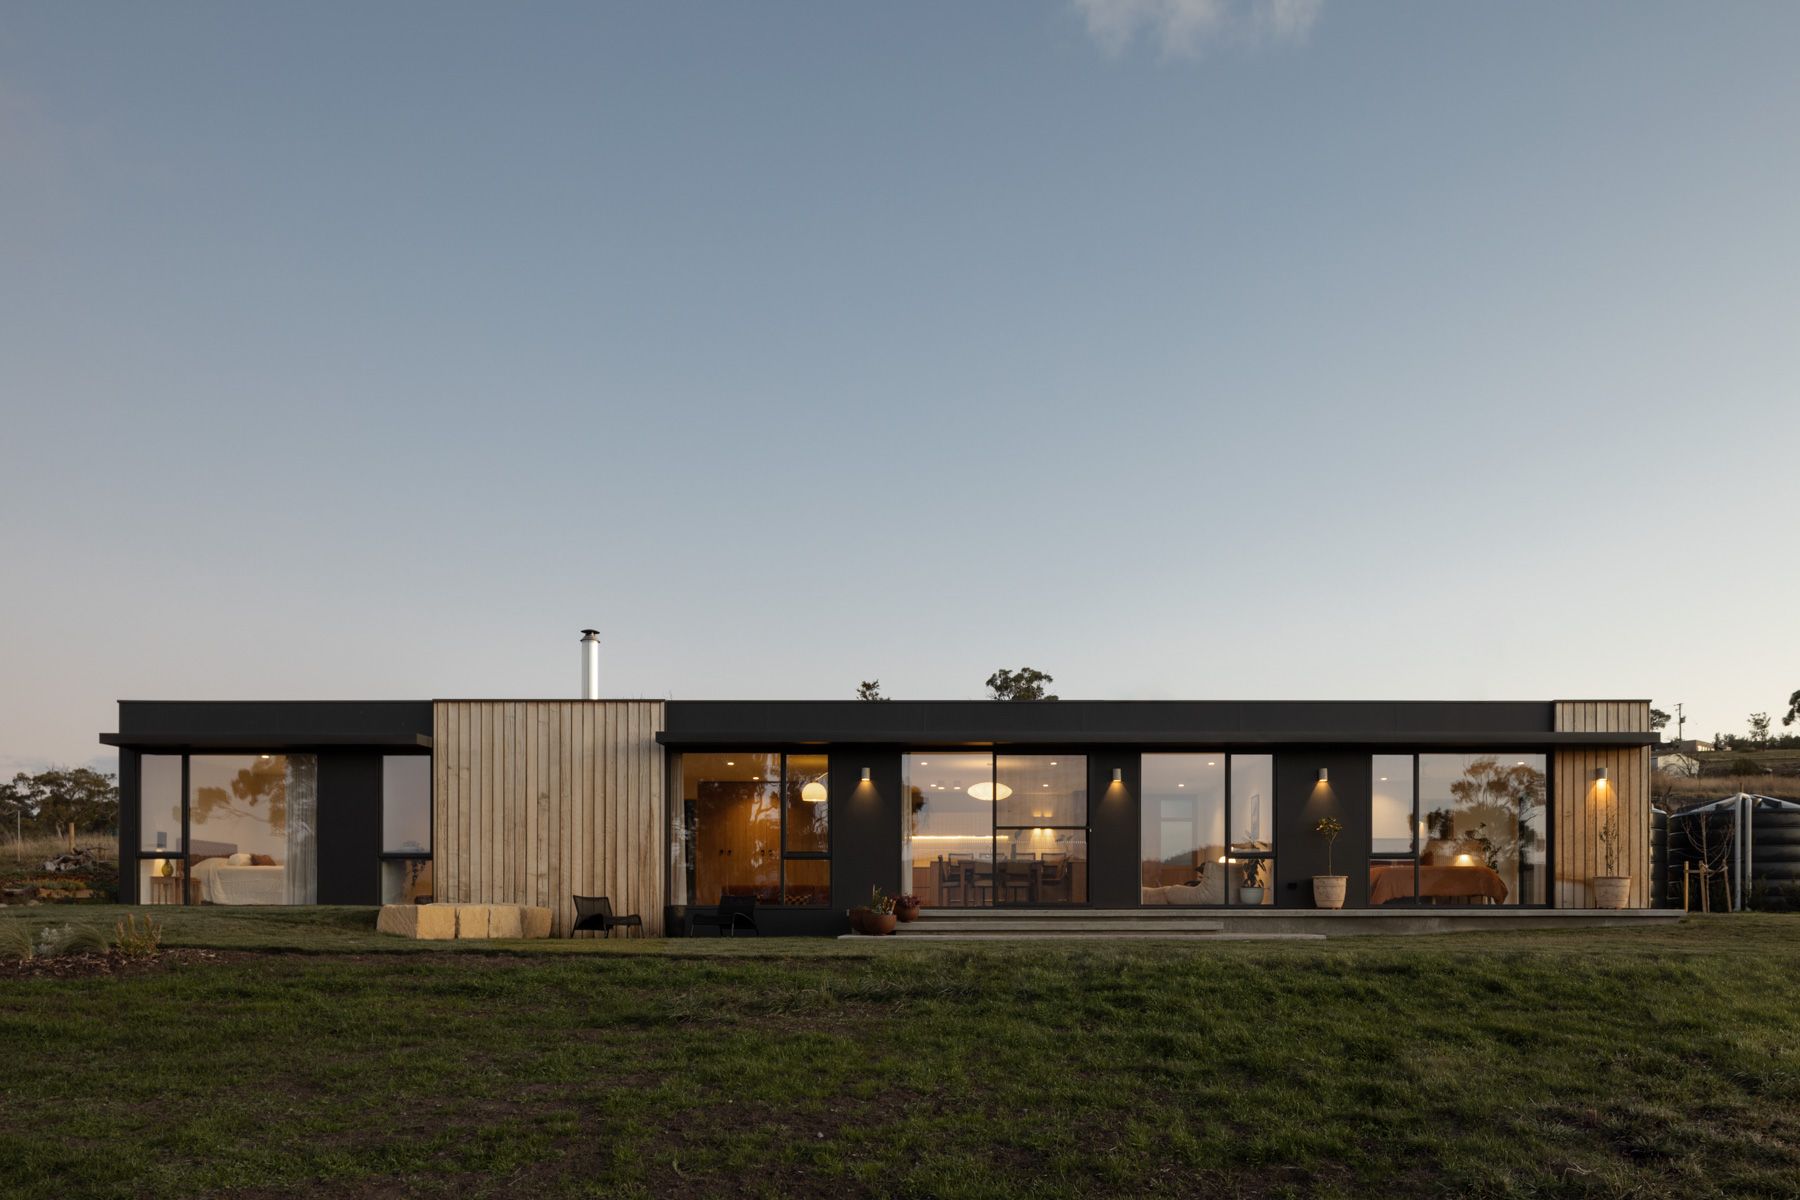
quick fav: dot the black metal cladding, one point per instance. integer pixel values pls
(272, 724)
(929, 724)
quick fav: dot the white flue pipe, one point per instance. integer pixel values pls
(590, 664)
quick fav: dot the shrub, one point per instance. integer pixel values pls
(84, 939)
(138, 941)
(16, 943)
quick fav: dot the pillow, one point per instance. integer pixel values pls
(263, 860)
(239, 859)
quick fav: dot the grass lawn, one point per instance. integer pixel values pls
(312, 1058)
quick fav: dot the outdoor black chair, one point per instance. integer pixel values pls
(735, 912)
(595, 913)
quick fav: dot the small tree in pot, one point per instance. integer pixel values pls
(1328, 889)
(1611, 890)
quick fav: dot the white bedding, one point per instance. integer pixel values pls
(222, 883)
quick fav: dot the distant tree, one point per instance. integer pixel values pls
(1658, 719)
(1759, 728)
(1793, 712)
(1723, 741)
(63, 802)
(869, 689)
(1026, 683)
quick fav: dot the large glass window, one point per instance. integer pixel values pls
(162, 867)
(1252, 822)
(405, 828)
(949, 815)
(1393, 826)
(985, 829)
(754, 824)
(1485, 821)
(251, 820)
(1183, 833)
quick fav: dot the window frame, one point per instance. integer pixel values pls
(429, 854)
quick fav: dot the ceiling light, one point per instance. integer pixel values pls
(990, 791)
(1181, 785)
(730, 762)
(1212, 764)
(1384, 779)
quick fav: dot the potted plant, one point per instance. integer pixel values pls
(876, 918)
(1611, 890)
(906, 908)
(1250, 889)
(1328, 889)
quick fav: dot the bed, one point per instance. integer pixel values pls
(1437, 882)
(221, 882)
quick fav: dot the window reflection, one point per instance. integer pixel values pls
(1183, 829)
(251, 823)
(730, 842)
(1484, 828)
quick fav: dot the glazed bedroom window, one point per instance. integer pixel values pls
(1484, 828)
(405, 828)
(1393, 828)
(162, 863)
(251, 828)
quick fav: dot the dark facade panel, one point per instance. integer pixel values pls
(349, 833)
(273, 724)
(931, 723)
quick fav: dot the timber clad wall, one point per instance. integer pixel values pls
(533, 800)
(1581, 807)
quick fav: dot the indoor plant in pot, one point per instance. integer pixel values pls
(1611, 890)
(876, 918)
(1328, 889)
(906, 908)
(1250, 890)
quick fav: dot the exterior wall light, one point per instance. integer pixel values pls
(1324, 775)
(1118, 774)
(1600, 778)
(865, 778)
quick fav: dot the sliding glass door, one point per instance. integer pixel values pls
(984, 829)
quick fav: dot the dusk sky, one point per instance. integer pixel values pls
(1180, 348)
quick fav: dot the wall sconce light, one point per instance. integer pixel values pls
(1600, 778)
(865, 778)
(1324, 775)
(1118, 774)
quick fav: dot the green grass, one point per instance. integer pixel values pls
(327, 1062)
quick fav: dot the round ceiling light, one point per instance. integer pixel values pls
(989, 791)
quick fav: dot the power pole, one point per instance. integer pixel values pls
(1680, 722)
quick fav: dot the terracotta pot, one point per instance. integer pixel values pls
(1328, 890)
(878, 924)
(906, 910)
(1612, 891)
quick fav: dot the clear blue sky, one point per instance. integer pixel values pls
(1179, 348)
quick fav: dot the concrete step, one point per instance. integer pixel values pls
(1159, 913)
(948, 925)
(1057, 935)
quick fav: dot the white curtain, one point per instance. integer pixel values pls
(302, 843)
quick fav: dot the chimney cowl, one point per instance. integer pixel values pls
(590, 664)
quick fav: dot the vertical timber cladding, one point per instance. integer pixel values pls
(1581, 809)
(536, 801)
